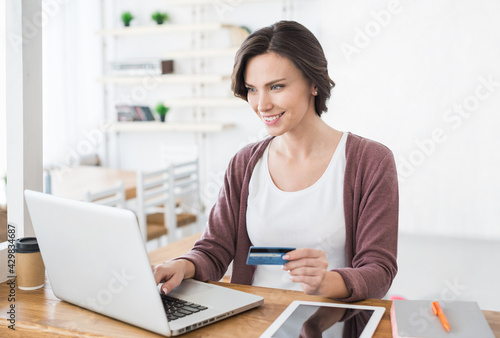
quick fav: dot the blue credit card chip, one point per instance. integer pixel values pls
(258, 255)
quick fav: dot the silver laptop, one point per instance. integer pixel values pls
(95, 258)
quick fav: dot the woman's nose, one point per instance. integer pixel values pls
(264, 103)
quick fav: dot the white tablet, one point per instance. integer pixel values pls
(316, 319)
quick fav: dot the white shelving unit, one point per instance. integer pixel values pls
(166, 28)
(199, 74)
(210, 2)
(206, 102)
(198, 78)
(194, 53)
(165, 79)
(145, 126)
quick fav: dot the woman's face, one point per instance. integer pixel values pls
(279, 94)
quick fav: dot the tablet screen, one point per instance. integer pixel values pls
(324, 321)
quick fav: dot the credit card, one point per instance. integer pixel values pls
(260, 255)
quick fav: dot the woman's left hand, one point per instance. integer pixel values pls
(307, 267)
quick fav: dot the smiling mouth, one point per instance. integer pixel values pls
(272, 118)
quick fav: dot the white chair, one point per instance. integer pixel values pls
(156, 204)
(186, 161)
(187, 192)
(154, 198)
(114, 196)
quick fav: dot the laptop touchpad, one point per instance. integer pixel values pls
(190, 288)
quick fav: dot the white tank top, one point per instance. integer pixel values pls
(309, 218)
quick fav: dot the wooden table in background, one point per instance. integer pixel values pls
(74, 182)
(40, 314)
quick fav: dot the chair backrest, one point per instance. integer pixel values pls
(187, 185)
(114, 196)
(154, 190)
(186, 163)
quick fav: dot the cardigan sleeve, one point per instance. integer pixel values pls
(371, 209)
(225, 237)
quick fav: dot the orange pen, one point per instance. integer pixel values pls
(436, 308)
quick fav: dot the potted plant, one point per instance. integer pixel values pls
(159, 17)
(126, 18)
(162, 111)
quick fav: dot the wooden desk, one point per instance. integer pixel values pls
(74, 182)
(39, 313)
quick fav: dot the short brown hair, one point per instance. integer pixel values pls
(292, 40)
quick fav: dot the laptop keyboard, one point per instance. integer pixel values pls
(178, 308)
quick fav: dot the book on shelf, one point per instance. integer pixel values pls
(133, 113)
(145, 113)
(415, 318)
(141, 67)
(125, 113)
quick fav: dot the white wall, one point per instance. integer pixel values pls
(403, 70)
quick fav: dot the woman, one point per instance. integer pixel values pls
(332, 195)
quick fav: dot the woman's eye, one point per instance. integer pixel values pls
(276, 87)
(250, 90)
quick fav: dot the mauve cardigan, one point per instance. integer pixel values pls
(371, 216)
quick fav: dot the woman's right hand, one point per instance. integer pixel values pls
(172, 273)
